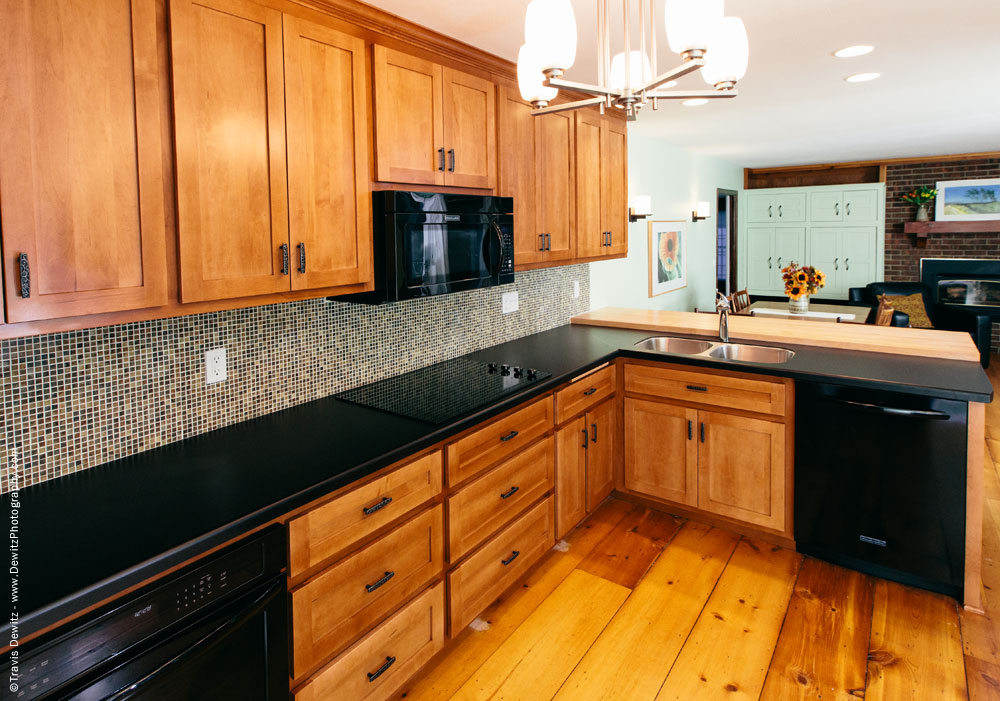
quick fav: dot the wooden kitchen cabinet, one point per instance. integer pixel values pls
(614, 195)
(601, 186)
(80, 159)
(433, 125)
(661, 455)
(603, 427)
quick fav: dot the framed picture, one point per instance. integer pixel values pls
(968, 200)
(667, 257)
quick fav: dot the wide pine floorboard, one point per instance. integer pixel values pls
(638, 605)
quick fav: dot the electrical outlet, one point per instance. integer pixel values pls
(510, 302)
(215, 365)
(576, 289)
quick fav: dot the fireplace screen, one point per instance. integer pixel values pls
(985, 293)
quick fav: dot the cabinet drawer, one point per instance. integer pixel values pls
(584, 393)
(487, 503)
(475, 583)
(335, 526)
(719, 390)
(405, 643)
(332, 610)
(497, 440)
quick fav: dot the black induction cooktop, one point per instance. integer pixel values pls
(444, 391)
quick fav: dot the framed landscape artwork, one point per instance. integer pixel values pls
(667, 257)
(968, 200)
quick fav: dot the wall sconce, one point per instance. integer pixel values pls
(642, 207)
(703, 211)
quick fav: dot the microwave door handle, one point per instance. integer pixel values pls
(499, 234)
(893, 411)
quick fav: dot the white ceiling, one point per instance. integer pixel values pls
(938, 94)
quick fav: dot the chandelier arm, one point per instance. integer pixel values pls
(689, 94)
(674, 73)
(581, 87)
(567, 106)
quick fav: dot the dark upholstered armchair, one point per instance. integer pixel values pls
(942, 316)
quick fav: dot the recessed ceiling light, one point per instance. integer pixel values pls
(695, 102)
(862, 77)
(852, 51)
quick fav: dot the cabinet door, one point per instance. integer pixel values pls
(80, 158)
(741, 469)
(661, 453)
(469, 130)
(518, 177)
(762, 275)
(824, 253)
(789, 247)
(857, 248)
(760, 208)
(409, 126)
(601, 426)
(615, 191)
(229, 113)
(571, 475)
(825, 206)
(329, 206)
(590, 185)
(554, 164)
(861, 206)
(790, 207)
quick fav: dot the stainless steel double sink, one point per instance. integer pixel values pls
(721, 351)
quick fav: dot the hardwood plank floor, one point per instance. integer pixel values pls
(640, 605)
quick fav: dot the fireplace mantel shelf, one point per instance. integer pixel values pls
(921, 229)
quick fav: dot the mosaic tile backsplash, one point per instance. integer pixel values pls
(82, 398)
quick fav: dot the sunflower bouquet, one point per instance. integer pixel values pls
(802, 280)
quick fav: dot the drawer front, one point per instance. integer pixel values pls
(718, 390)
(397, 648)
(332, 610)
(334, 527)
(475, 583)
(480, 508)
(497, 440)
(584, 393)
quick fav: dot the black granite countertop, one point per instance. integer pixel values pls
(90, 535)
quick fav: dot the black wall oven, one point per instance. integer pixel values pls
(433, 243)
(216, 630)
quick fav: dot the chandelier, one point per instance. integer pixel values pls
(696, 29)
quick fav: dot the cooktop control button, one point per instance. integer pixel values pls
(491, 368)
(505, 369)
(532, 374)
(518, 372)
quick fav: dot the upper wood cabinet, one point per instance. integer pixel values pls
(601, 185)
(433, 125)
(244, 228)
(80, 158)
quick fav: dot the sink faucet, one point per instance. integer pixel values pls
(722, 304)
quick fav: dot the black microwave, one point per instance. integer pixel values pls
(430, 243)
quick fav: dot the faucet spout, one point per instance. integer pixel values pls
(722, 305)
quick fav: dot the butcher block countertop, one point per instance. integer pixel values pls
(925, 343)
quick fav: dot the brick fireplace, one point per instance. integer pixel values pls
(902, 258)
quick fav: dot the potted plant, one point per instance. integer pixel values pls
(920, 197)
(800, 282)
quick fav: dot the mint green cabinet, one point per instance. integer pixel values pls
(846, 254)
(783, 208)
(770, 249)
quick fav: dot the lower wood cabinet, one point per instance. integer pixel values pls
(585, 451)
(661, 459)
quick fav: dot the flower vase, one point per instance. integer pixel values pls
(799, 306)
(922, 213)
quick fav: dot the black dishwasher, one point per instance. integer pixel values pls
(880, 483)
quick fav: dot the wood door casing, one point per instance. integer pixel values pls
(661, 451)
(229, 114)
(555, 164)
(328, 183)
(409, 125)
(80, 158)
(519, 177)
(614, 191)
(741, 469)
(602, 427)
(571, 475)
(469, 130)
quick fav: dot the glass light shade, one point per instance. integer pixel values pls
(704, 210)
(642, 205)
(550, 29)
(640, 70)
(530, 78)
(728, 52)
(690, 22)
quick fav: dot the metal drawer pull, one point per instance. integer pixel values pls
(779, 261)
(836, 208)
(509, 493)
(508, 436)
(696, 388)
(847, 263)
(769, 213)
(513, 556)
(690, 435)
(541, 246)
(441, 159)
(372, 587)
(372, 676)
(848, 209)
(779, 211)
(589, 392)
(593, 439)
(25, 273)
(836, 263)
(284, 259)
(302, 258)
(585, 437)
(451, 160)
(769, 266)
(369, 510)
(702, 431)
(872, 541)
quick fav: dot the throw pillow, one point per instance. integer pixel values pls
(913, 305)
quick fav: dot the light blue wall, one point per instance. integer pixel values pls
(675, 179)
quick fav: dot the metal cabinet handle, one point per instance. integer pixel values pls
(690, 435)
(375, 585)
(302, 258)
(25, 274)
(586, 436)
(611, 238)
(769, 266)
(779, 211)
(836, 208)
(548, 238)
(593, 438)
(284, 259)
(372, 676)
(369, 510)
(441, 159)
(836, 263)
(702, 431)
(770, 214)
(541, 245)
(513, 556)
(848, 208)
(506, 438)
(779, 261)
(697, 388)
(847, 263)
(451, 160)
(509, 493)
(588, 392)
